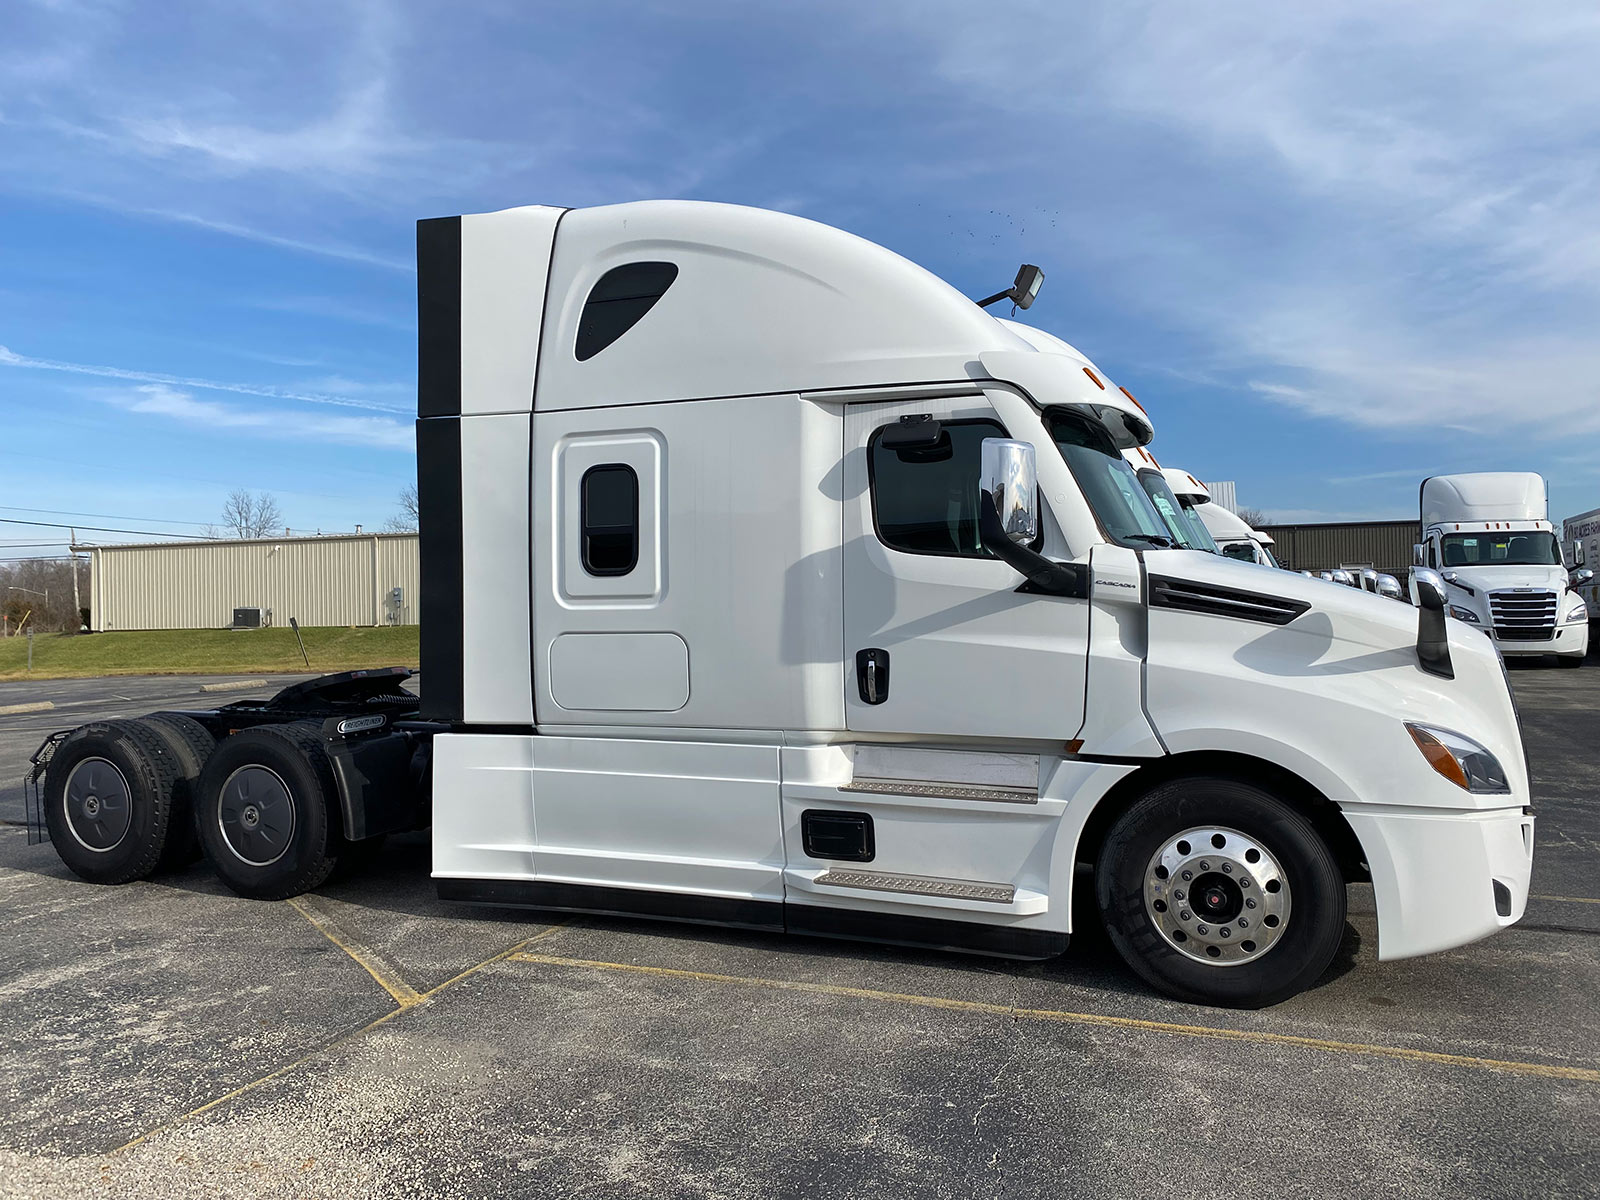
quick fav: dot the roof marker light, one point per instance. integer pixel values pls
(1094, 377)
(1132, 397)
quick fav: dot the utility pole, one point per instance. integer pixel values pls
(72, 553)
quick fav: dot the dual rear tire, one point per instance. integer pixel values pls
(264, 817)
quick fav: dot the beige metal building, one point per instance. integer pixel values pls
(1385, 545)
(354, 579)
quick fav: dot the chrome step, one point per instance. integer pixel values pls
(920, 885)
(942, 791)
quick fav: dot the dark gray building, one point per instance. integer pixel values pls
(1385, 545)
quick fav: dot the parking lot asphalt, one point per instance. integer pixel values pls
(169, 1039)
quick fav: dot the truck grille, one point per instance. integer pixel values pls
(1520, 616)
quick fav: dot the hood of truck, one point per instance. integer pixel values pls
(1316, 677)
(1487, 580)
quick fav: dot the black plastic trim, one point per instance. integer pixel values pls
(614, 901)
(587, 531)
(1216, 600)
(965, 937)
(439, 545)
(439, 317)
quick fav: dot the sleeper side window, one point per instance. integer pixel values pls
(609, 516)
(925, 498)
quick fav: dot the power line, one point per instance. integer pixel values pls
(66, 512)
(156, 533)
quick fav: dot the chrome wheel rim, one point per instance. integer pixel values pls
(256, 815)
(1217, 896)
(98, 804)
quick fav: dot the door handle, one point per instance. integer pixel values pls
(872, 675)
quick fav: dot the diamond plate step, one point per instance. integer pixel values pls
(943, 791)
(920, 885)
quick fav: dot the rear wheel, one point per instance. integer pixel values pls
(190, 744)
(264, 816)
(1217, 892)
(108, 798)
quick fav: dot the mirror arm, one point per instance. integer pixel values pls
(1433, 640)
(1046, 575)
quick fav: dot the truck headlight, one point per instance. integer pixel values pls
(1464, 614)
(1579, 613)
(1459, 759)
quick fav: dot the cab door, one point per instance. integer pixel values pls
(939, 643)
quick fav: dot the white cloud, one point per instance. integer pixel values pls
(10, 358)
(162, 401)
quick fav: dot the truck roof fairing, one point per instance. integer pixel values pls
(699, 301)
(1483, 496)
(1183, 483)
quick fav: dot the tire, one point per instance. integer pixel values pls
(108, 798)
(191, 745)
(264, 816)
(1259, 943)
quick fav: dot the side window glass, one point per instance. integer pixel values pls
(609, 516)
(925, 498)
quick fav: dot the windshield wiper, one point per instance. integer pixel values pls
(1165, 543)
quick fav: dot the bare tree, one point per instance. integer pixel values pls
(1253, 517)
(40, 591)
(406, 520)
(248, 516)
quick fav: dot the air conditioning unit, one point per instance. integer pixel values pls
(247, 618)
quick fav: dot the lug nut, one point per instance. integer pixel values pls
(1188, 875)
(1244, 922)
(1185, 915)
(1224, 931)
(1249, 903)
(1227, 868)
(1177, 893)
(1202, 929)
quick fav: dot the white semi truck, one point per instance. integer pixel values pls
(768, 581)
(1491, 536)
(1231, 534)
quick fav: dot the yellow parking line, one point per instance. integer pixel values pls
(1568, 899)
(338, 1041)
(379, 968)
(1540, 1070)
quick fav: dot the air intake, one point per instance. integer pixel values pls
(1216, 601)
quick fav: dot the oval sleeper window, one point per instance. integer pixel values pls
(608, 500)
(618, 301)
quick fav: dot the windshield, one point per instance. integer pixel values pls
(1202, 536)
(1530, 548)
(1266, 555)
(1124, 510)
(1172, 516)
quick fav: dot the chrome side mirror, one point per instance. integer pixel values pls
(1342, 576)
(1389, 587)
(1433, 642)
(1325, 576)
(1582, 576)
(1369, 580)
(1419, 554)
(1008, 472)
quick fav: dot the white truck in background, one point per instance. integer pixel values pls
(1580, 537)
(770, 582)
(1235, 538)
(1490, 536)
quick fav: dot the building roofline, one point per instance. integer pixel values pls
(85, 547)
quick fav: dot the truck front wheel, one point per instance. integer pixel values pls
(263, 814)
(1217, 892)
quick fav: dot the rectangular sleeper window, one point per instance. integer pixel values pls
(609, 516)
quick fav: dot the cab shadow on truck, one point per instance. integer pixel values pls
(770, 582)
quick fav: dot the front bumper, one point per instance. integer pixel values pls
(1571, 638)
(1434, 873)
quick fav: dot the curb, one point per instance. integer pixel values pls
(7, 710)
(238, 685)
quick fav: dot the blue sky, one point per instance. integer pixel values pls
(1333, 248)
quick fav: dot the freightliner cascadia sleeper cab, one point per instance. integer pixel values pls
(769, 581)
(1490, 535)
